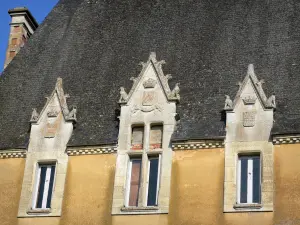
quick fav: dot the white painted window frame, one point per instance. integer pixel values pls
(249, 178)
(36, 183)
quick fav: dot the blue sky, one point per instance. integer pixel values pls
(39, 9)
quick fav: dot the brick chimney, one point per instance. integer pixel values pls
(22, 26)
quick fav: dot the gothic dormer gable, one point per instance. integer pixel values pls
(250, 91)
(249, 117)
(56, 104)
(53, 126)
(151, 77)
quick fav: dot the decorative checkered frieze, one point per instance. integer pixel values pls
(12, 154)
(92, 151)
(197, 145)
(286, 140)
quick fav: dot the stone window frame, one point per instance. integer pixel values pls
(233, 150)
(36, 182)
(144, 154)
(33, 159)
(164, 187)
(238, 182)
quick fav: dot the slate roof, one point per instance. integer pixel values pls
(96, 45)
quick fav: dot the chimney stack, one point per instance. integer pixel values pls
(22, 26)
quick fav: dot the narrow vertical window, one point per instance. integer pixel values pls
(153, 181)
(135, 181)
(156, 136)
(44, 186)
(137, 138)
(249, 179)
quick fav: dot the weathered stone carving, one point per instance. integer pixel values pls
(34, 116)
(150, 83)
(249, 119)
(124, 96)
(52, 112)
(228, 103)
(249, 100)
(163, 79)
(72, 114)
(271, 101)
(175, 92)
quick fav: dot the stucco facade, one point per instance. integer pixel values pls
(196, 191)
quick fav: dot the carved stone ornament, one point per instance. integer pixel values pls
(150, 83)
(249, 118)
(271, 101)
(149, 98)
(52, 113)
(228, 103)
(123, 95)
(34, 116)
(249, 100)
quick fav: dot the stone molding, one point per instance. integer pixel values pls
(198, 145)
(295, 139)
(91, 150)
(8, 154)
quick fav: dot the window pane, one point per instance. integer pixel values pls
(156, 137)
(256, 180)
(153, 181)
(244, 179)
(137, 138)
(135, 182)
(50, 186)
(41, 187)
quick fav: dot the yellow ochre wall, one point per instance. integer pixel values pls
(196, 192)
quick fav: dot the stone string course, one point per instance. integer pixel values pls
(12, 154)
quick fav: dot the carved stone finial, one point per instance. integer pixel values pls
(250, 69)
(168, 77)
(240, 85)
(34, 116)
(228, 103)
(142, 64)
(133, 79)
(260, 82)
(149, 83)
(175, 92)
(124, 96)
(72, 114)
(271, 101)
(152, 56)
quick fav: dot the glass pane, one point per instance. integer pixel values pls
(39, 201)
(50, 186)
(156, 137)
(137, 138)
(244, 179)
(256, 180)
(135, 182)
(153, 180)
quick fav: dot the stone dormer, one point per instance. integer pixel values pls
(22, 26)
(248, 184)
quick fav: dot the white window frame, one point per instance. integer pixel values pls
(46, 189)
(249, 178)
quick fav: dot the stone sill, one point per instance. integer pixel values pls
(39, 211)
(139, 209)
(247, 206)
